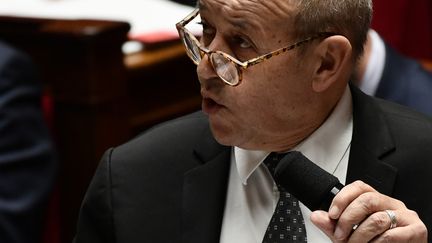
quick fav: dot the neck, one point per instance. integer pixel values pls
(288, 138)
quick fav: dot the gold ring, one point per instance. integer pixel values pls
(392, 216)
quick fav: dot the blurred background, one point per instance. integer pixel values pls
(111, 69)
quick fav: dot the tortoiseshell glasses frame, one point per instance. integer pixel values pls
(228, 68)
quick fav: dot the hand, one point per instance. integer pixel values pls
(358, 214)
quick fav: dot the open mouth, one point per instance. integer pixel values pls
(209, 106)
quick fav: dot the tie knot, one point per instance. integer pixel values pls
(272, 161)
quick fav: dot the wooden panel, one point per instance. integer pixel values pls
(101, 97)
(81, 65)
(67, 51)
(162, 84)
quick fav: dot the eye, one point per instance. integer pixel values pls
(242, 42)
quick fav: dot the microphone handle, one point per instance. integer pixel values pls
(331, 194)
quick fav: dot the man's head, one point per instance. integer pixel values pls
(283, 99)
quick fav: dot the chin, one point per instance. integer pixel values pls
(224, 134)
(223, 137)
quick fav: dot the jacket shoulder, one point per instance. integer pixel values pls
(406, 119)
(168, 148)
(174, 135)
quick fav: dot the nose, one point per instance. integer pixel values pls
(206, 74)
(205, 70)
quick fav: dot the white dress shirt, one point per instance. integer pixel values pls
(252, 194)
(375, 65)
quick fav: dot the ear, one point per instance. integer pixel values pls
(334, 59)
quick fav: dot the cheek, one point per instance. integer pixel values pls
(255, 103)
(268, 85)
(274, 91)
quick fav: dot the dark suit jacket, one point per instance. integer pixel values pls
(404, 81)
(27, 167)
(169, 184)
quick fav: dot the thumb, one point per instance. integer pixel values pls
(322, 220)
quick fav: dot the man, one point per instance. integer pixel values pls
(201, 178)
(386, 74)
(27, 165)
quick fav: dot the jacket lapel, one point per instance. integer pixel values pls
(371, 145)
(204, 192)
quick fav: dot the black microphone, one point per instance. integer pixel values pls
(309, 183)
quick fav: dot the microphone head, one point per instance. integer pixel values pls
(308, 182)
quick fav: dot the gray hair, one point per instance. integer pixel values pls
(350, 18)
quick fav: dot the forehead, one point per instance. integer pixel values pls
(251, 14)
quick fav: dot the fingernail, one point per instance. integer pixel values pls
(334, 212)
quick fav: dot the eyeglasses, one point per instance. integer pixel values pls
(228, 68)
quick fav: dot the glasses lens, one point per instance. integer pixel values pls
(191, 47)
(225, 69)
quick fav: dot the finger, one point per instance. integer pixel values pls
(346, 196)
(374, 225)
(409, 228)
(412, 233)
(360, 208)
(322, 220)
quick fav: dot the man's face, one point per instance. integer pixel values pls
(271, 107)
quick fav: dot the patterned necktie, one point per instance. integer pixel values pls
(286, 224)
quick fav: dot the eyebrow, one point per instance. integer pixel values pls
(239, 23)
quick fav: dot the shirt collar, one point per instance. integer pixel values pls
(325, 147)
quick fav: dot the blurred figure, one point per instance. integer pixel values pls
(27, 168)
(386, 74)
